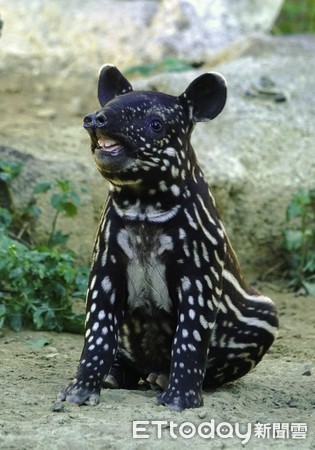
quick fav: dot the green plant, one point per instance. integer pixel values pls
(165, 65)
(38, 284)
(8, 171)
(299, 241)
(297, 16)
(65, 201)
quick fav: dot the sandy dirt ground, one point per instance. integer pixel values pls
(280, 392)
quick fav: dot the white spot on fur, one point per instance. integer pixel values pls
(106, 284)
(186, 284)
(95, 326)
(93, 282)
(196, 335)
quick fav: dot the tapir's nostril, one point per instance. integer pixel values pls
(94, 120)
(100, 120)
(88, 121)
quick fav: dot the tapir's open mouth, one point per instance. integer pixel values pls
(109, 145)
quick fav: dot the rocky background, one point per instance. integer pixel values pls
(256, 154)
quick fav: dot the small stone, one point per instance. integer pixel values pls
(280, 97)
(51, 355)
(202, 414)
(307, 369)
(57, 406)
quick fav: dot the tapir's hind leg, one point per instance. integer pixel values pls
(243, 333)
(121, 375)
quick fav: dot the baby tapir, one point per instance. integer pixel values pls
(166, 300)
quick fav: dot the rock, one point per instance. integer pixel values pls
(58, 406)
(54, 37)
(202, 414)
(196, 30)
(306, 369)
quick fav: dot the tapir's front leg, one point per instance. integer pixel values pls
(104, 313)
(198, 298)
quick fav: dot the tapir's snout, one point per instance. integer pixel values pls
(95, 120)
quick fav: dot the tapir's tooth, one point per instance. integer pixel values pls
(106, 142)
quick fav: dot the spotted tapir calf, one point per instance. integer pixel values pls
(166, 300)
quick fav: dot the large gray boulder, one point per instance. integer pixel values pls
(59, 35)
(196, 30)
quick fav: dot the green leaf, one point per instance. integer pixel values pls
(64, 204)
(15, 321)
(309, 262)
(3, 311)
(12, 168)
(143, 69)
(175, 65)
(165, 65)
(5, 177)
(294, 210)
(309, 287)
(75, 198)
(299, 204)
(64, 185)
(58, 238)
(74, 323)
(38, 319)
(293, 239)
(42, 187)
(81, 282)
(5, 218)
(70, 209)
(34, 211)
(56, 201)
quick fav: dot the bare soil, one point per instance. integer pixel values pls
(34, 366)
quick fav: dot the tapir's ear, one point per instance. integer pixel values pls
(111, 83)
(205, 97)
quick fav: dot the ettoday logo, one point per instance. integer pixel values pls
(145, 429)
(188, 430)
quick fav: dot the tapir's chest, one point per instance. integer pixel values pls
(149, 323)
(146, 276)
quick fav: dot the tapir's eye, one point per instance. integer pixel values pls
(156, 125)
